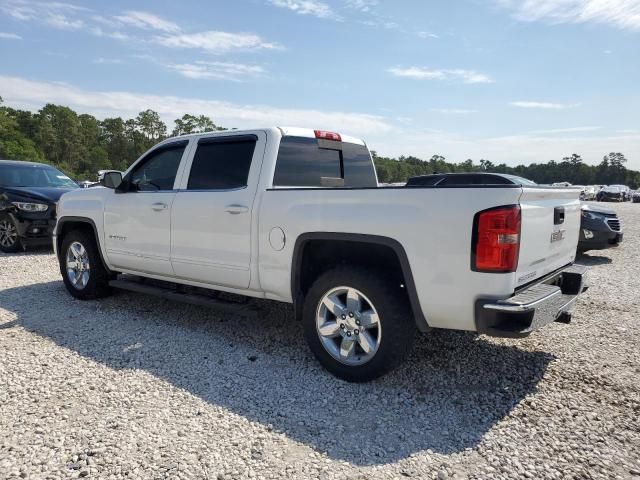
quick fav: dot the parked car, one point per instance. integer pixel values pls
(626, 192)
(610, 194)
(636, 197)
(296, 215)
(589, 192)
(28, 194)
(600, 228)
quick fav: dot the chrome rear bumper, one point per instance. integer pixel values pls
(533, 307)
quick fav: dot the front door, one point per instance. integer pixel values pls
(212, 212)
(137, 215)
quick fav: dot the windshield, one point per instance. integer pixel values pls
(29, 175)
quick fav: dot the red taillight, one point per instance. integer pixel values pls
(496, 240)
(328, 135)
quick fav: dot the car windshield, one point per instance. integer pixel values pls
(30, 175)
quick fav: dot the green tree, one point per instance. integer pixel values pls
(116, 143)
(14, 144)
(149, 124)
(192, 124)
(58, 136)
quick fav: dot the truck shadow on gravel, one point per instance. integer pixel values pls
(592, 260)
(452, 389)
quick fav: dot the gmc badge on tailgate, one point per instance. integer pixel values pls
(557, 236)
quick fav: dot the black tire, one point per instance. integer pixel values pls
(391, 302)
(97, 285)
(9, 245)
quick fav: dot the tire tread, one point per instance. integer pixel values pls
(98, 285)
(398, 325)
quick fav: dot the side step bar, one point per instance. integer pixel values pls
(176, 293)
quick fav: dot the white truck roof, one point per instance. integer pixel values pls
(310, 133)
(286, 131)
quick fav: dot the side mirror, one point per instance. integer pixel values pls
(111, 179)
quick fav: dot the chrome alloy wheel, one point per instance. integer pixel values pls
(348, 326)
(78, 267)
(8, 234)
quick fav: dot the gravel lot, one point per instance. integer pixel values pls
(135, 387)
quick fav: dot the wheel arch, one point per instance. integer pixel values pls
(66, 224)
(385, 249)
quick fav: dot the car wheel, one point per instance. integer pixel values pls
(83, 272)
(357, 323)
(9, 240)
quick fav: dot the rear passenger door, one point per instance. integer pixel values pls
(212, 213)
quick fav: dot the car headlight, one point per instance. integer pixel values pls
(31, 207)
(591, 215)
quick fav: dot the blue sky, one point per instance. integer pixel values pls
(512, 81)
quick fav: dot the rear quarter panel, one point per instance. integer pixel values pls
(433, 225)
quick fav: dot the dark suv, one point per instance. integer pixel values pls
(599, 228)
(28, 195)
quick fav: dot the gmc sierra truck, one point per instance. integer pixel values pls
(297, 216)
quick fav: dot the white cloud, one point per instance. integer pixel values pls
(56, 14)
(147, 21)
(427, 35)
(513, 150)
(554, 131)
(23, 93)
(216, 42)
(63, 22)
(10, 36)
(107, 61)
(306, 7)
(217, 70)
(99, 32)
(453, 111)
(362, 5)
(166, 33)
(419, 73)
(619, 13)
(544, 105)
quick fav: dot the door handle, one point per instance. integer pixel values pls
(236, 209)
(159, 206)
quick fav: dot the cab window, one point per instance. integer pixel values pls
(222, 163)
(158, 170)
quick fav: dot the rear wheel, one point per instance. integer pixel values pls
(357, 323)
(9, 240)
(81, 267)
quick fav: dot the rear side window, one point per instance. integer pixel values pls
(302, 163)
(221, 163)
(358, 166)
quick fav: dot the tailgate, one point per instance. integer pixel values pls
(549, 231)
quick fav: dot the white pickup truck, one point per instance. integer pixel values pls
(297, 216)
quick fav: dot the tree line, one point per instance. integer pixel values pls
(610, 171)
(80, 145)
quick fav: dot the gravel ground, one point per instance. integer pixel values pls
(135, 387)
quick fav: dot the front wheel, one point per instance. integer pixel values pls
(81, 267)
(9, 240)
(357, 323)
